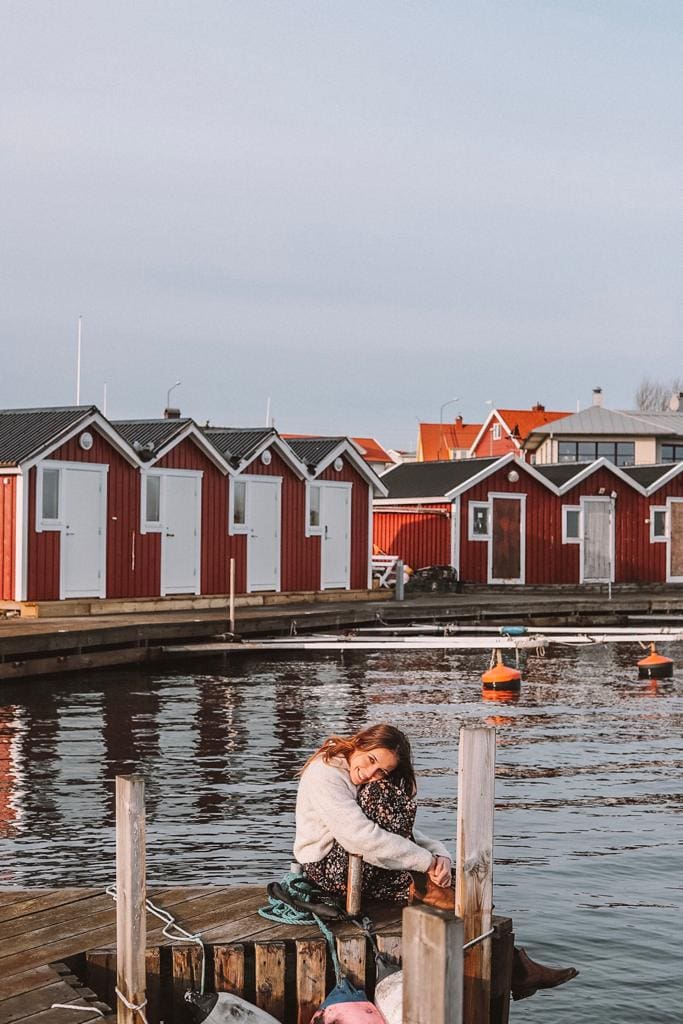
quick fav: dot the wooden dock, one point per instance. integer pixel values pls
(282, 968)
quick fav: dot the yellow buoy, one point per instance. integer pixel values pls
(655, 666)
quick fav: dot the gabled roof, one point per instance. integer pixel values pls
(148, 437)
(518, 423)
(236, 444)
(437, 440)
(596, 420)
(372, 450)
(26, 432)
(432, 480)
(313, 450)
(646, 476)
(560, 473)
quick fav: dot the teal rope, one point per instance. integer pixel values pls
(285, 913)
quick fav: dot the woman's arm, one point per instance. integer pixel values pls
(433, 845)
(336, 806)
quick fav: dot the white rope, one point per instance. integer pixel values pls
(169, 925)
(479, 938)
(74, 1006)
(138, 1008)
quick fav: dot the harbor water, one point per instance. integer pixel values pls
(587, 856)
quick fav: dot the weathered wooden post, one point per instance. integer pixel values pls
(354, 883)
(232, 595)
(131, 919)
(400, 580)
(474, 863)
(432, 967)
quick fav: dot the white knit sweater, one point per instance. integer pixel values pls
(326, 809)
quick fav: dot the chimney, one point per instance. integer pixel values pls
(172, 414)
(458, 420)
(538, 407)
(597, 396)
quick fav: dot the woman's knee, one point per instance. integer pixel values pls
(388, 806)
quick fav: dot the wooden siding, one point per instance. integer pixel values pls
(419, 538)
(8, 500)
(360, 541)
(133, 559)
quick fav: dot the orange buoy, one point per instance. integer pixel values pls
(500, 676)
(655, 666)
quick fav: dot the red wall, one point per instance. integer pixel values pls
(8, 498)
(419, 538)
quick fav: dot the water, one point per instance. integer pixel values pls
(587, 852)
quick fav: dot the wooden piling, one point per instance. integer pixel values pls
(432, 967)
(228, 964)
(232, 596)
(474, 863)
(131, 918)
(269, 960)
(354, 884)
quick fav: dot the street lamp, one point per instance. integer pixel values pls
(441, 436)
(168, 393)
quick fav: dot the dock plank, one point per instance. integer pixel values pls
(26, 981)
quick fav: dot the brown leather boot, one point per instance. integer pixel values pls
(423, 890)
(528, 976)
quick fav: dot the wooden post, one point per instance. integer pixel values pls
(354, 884)
(432, 966)
(474, 863)
(232, 595)
(131, 915)
(400, 580)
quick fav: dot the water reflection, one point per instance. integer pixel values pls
(587, 785)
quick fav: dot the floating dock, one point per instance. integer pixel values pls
(58, 946)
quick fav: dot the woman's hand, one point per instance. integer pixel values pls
(440, 871)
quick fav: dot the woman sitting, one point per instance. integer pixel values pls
(357, 795)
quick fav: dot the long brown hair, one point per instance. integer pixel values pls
(386, 736)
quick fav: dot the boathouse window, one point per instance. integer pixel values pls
(672, 453)
(48, 498)
(496, 431)
(151, 503)
(657, 523)
(313, 506)
(238, 506)
(571, 524)
(479, 521)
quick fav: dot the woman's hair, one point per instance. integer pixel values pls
(388, 737)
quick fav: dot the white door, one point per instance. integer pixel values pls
(83, 546)
(263, 536)
(336, 536)
(596, 540)
(181, 536)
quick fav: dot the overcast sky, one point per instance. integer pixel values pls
(358, 209)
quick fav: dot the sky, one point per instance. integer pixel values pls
(356, 210)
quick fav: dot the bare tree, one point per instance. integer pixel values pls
(655, 395)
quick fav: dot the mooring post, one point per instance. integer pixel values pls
(474, 863)
(432, 967)
(131, 920)
(232, 595)
(400, 581)
(354, 883)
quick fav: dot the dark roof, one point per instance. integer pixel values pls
(237, 443)
(647, 475)
(148, 437)
(432, 479)
(313, 450)
(25, 432)
(559, 473)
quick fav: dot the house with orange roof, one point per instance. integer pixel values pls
(506, 430)
(437, 442)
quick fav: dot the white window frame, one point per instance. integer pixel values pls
(566, 539)
(45, 525)
(659, 538)
(145, 526)
(496, 431)
(314, 531)
(471, 535)
(237, 529)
